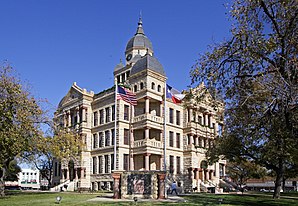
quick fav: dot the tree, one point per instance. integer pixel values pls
(256, 73)
(20, 116)
(63, 145)
(242, 170)
(12, 171)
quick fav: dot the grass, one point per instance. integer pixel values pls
(70, 199)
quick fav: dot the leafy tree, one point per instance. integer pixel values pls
(20, 116)
(255, 71)
(64, 145)
(242, 170)
(12, 171)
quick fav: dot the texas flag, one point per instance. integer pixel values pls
(174, 94)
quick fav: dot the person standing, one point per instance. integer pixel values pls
(174, 188)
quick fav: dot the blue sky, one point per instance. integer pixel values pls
(53, 43)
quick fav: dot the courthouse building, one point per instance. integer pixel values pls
(190, 128)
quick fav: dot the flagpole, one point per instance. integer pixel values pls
(164, 130)
(115, 120)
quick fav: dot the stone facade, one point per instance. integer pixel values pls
(140, 131)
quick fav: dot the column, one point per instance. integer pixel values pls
(197, 174)
(116, 189)
(207, 174)
(203, 142)
(161, 163)
(203, 175)
(147, 105)
(147, 161)
(196, 140)
(215, 128)
(76, 174)
(161, 109)
(147, 132)
(78, 115)
(206, 119)
(65, 119)
(67, 174)
(190, 115)
(161, 186)
(190, 139)
(83, 114)
(69, 118)
(217, 169)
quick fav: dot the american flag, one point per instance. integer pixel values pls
(126, 95)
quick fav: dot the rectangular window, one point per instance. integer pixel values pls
(107, 114)
(126, 112)
(100, 139)
(95, 119)
(113, 112)
(113, 136)
(101, 117)
(112, 161)
(56, 169)
(106, 163)
(107, 138)
(171, 119)
(99, 164)
(178, 140)
(178, 163)
(178, 117)
(171, 139)
(94, 165)
(95, 141)
(126, 136)
(59, 169)
(125, 162)
(171, 164)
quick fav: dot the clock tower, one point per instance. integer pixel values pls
(138, 46)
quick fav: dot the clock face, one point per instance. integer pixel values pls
(128, 57)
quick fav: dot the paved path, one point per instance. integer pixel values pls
(109, 198)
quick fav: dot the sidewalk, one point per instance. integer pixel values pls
(109, 198)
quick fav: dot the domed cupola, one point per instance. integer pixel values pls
(145, 63)
(139, 44)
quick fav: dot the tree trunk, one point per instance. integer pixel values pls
(2, 182)
(278, 181)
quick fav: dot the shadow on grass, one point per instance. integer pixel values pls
(234, 199)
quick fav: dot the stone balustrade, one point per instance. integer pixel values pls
(148, 143)
(149, 117)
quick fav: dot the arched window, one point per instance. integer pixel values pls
(141, 85)
(135, 88)
(159, 88)
(153, 86)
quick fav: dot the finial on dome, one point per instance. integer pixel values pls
(140, 29)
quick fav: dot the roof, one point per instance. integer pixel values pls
(139, 39)
(147, 62)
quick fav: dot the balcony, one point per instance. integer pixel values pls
(147, 143)
(200, 129)
(149, 120)
(148, 117)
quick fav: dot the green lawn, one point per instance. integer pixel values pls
(70, 199)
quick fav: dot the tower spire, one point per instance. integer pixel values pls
(140, 29)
